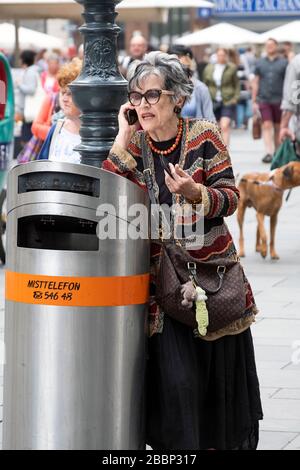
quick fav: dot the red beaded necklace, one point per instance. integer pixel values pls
(173, 146)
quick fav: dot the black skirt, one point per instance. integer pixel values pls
(201, 395)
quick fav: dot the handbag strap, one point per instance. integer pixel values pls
(221, 269)
(59, 125)
(147, 172)
(149, 181)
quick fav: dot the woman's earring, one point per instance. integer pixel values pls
(177, 109)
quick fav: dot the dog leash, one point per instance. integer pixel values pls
(288, 194)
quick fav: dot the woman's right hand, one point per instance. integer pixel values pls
(126, 131)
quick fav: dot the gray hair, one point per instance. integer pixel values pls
(165, 66)
(50, 55)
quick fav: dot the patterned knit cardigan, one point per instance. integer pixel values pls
(204, 157)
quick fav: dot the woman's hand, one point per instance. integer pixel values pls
(125, 130)
(182, 183)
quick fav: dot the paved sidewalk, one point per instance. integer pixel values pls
(277, 292)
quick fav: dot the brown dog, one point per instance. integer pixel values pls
(264, 192)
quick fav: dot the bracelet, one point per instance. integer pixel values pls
(194, 202)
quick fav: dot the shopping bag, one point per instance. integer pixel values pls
(285, 153)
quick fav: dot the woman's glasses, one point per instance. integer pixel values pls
(151, 96)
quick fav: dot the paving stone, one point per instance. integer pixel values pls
(282, 409)
(282, 294)
(271, 341)
(275, 440)
(287, 394)
(273, 365)
(293, 307)
(292, 313)
(291, 366)
(294, 444)
(269, 309)
(276, 424)
(280, 378)
(276, 328)
(268, 392)
(272, 353)
(290, 282)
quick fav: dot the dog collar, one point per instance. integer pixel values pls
(269, 182)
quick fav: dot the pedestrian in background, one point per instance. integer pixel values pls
(267, 89)
(200, 394)
(200, 104)
(49, 76)
(290, 119)
(137, 49)
(244, 111)
(287, 51)
(64, 136)
(26, 86)
(224, 87)
(42, 124)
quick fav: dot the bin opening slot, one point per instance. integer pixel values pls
(55, 232)
(59, 181)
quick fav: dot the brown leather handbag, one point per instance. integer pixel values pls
(256, 126)
(222, 279)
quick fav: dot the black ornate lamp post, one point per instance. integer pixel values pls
(100, 89)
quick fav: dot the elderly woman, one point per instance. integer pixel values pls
(64, 136)
(201, 394)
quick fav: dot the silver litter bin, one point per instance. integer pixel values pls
(75, 310)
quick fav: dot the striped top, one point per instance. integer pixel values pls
(204, 156)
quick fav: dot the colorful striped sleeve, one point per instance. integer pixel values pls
(219, 194)
(124, 162)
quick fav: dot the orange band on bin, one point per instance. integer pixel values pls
(76, 291)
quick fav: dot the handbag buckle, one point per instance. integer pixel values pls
(148, 178)
(221, 270)
(192, 268)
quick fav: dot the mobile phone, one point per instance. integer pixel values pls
(165, 165)
(131, 116)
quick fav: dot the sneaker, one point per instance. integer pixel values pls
(267, 158)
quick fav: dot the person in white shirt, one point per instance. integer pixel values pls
(64, 136)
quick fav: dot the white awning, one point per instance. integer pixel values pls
(220, 34)
(28, 39)
(287, 32)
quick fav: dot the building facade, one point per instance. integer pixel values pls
(256, 15)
